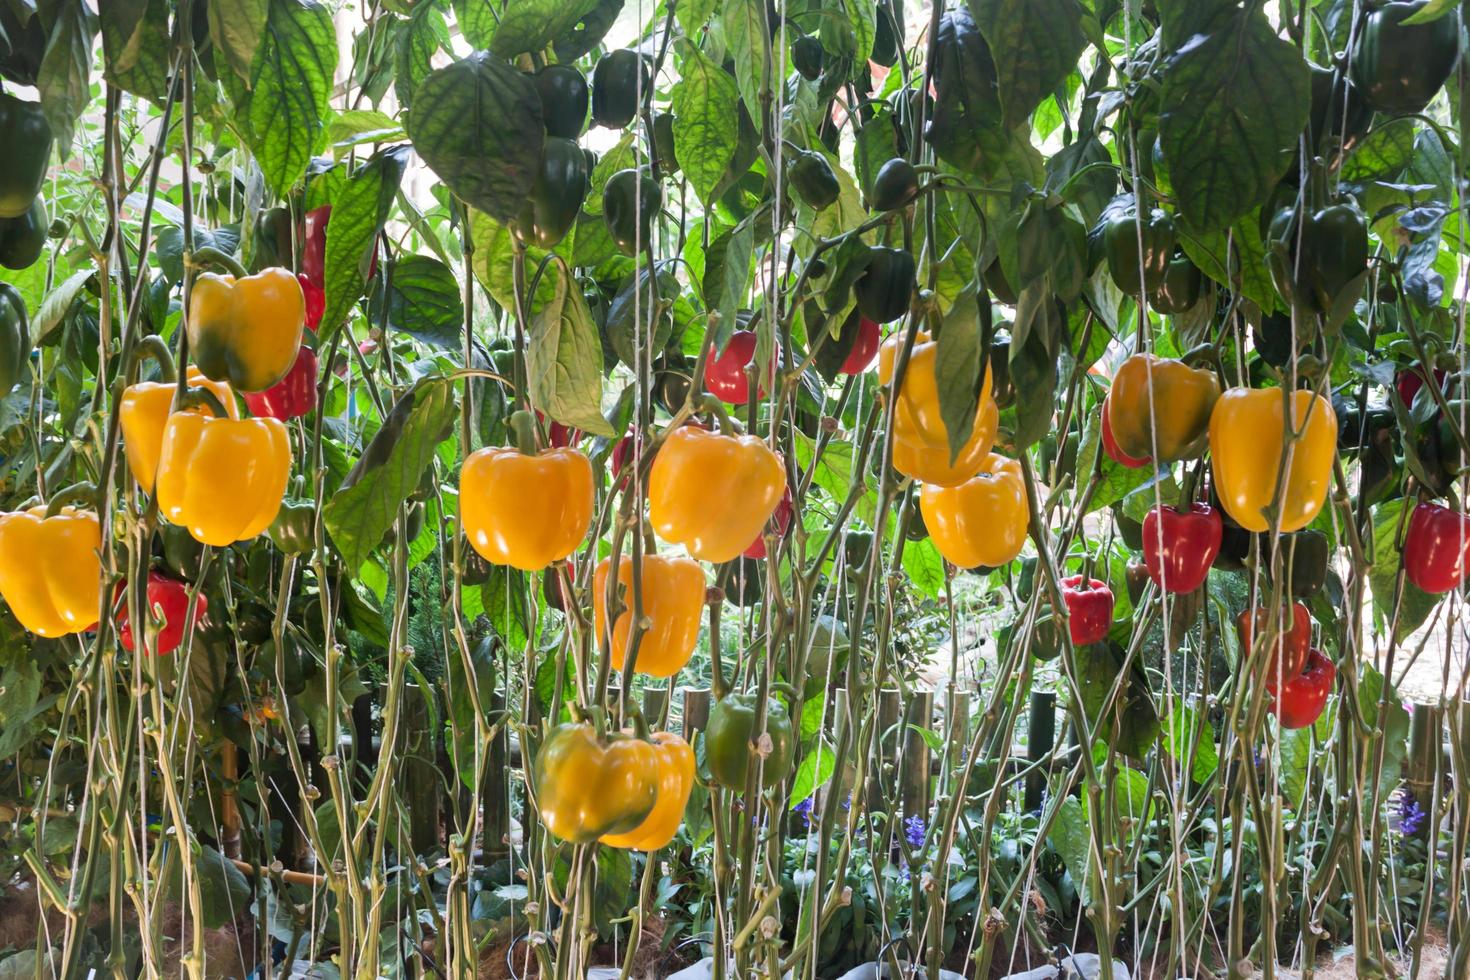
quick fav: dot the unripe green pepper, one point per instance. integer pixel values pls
(1181, 286)
(811, 176)
(557, 196)
(294, 529)
(895, 185)
(663, 142)
(26, 136)
(629, 202)
(1313, 262)
(22, 238)
(886, 286)
(1123, 234)
(1400, 67)
(731, 741)
(15, 338)
(617, 81)
(807, 57)
(1305, 555)
(888, 35)
(563, 93)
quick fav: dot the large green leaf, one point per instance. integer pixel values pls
(705, 106)
(281, 108)
(529, 25)
(1234, 104)
(135, 47)
(726, 275)
(744, 25)
(477, 124)
(423, 301)
(957, 367)
(1035, 44)
(64, 79)
(362, 510)
(357, 216)
(236, 27)
(421, 38)
(564, 360)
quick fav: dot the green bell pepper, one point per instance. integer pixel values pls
(557, 196)
(887, 284)
(812, 178)
(1400, 67)
(1123, 234)
(895, 185)
(629, 202)
(617, 81)
(1181, 286)
(294, 529)
(22, 238)
(730, 741)
(26, 136)
(807, 57)
(563, 93)
(1313, 260)
(15, 338)
(1304, 556)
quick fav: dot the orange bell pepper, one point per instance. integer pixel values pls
(675, 775)
(1161, 403)
(51, 569)
(713, 493)
(672, 595)
(525, 511)
(921, 447)
(143, 414)
(983, 521)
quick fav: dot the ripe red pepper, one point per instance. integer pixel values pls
(292, 396)
(168, 599)
(864, 348)
(1304, 696)
(624, 453)
(725, 377)
(314, 249)
(1437, 548)
(557, 435)
(1292, 642)
(1410, 380)
(316, 301)
(780, 519)
(1179, 547)
(1089, 609)
(1113, 450)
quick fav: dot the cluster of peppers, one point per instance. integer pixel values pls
(26, 137)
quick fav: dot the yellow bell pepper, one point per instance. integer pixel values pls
(143, 413)
(221, 478)
(1248, 451)
(713, 493)
(672, 596)
(246, 331)
(1182, 398)
(675, 775)
(920, 438)
(51, 569)
(525, 511)
(587, 786)
(982, 521)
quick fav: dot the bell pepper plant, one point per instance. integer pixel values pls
(1436, 548)
(1301, 700)
(713, 493)
(733, 743)
(50, 572)
(671, 594)
(674, 776)
(1161, 405)
(587, 786)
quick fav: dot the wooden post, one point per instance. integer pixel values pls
(1426, 746)
(654, 700)
(363, 756)
(1041, 736)
(229, 766)
(421, 795)
(495, 791)
(914, 764)
(696, 711)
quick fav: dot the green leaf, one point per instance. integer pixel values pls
(743, 23)
(135, 47)
(957, 367)
(925, 567)
(222, 888)
(1071, 839)
(236, 27)
(1243, 268)
(705, 104)
(477, 124)
(1431, 11)
(281, 108)
(1181, 724)
(494, 248)
(64, 79)
(1383, 154)
(564, 360)
(1035, 44)
(422, 37)
(1234, 105)
(814, 772)
(726, 276)
(358, 214)
(360, 513)
(423, 302)
(694, 15)
(529, 25)
(57, 304)
(620, 157)
(356, 126)
(862, 16)
(476, 19)
(1183, 19)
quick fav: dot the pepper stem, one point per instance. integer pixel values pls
(640, 724)
(151, 348)
(523, 431)
(78, 493)
(201, 257)
(202, 398)
(716, 407)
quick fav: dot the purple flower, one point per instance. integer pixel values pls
(1412, 816)
(805, 809)
(913, 831)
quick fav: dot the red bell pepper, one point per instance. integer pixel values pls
(1302, 698)
(292, 396)
(780, 519)
(1293, 640)
(1410, 380)
(1437, 548)
(1113, 450)
(316, 301)
(864, 348)
(314, 248)
(625, 452)
(724, 376)
(1089, 609)
(168, 600)
(1180, 546)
